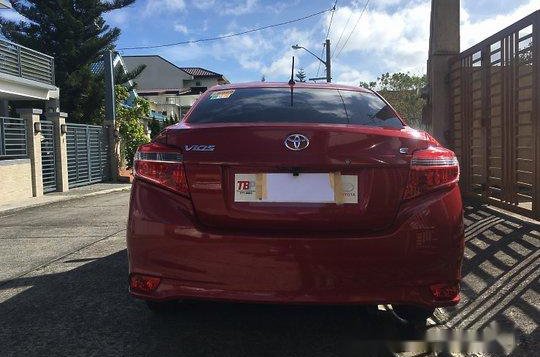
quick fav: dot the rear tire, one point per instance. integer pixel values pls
(413, 314)
(161, 307)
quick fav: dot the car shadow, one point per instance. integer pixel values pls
(501, 273)
(86, 311)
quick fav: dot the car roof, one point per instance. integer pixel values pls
(287, 85)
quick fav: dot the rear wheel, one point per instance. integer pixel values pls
(413, 314)
(160, 307)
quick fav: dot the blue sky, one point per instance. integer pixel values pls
(392, 35)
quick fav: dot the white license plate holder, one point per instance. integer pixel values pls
(296, 188)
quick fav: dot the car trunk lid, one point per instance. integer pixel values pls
(216, 155)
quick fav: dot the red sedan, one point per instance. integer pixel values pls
(298, 194)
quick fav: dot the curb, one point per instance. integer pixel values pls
(56, 199)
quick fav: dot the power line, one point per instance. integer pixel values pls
(354, 28)
(229, 35)
(342, 32)
(327, 34)
(331, 19)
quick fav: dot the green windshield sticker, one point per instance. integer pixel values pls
(222, 94)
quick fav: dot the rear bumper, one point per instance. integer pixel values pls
(425, 248)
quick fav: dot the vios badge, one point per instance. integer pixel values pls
(199, 147)
(296, 142)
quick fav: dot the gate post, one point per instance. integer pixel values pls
(443, 45)
(33, 139)
(60, 150)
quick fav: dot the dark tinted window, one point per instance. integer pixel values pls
(280, 105)
(369, 109)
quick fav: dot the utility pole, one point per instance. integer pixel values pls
(110, 115)
(108, 67)
(328, 64)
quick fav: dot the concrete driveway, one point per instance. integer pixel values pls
(63, 272)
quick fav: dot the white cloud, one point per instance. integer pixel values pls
(280, 68)
(180, 28)
(239, 8)
(186, 55)
(391, 36)
(158, 6)
(382, 3)
(204, 4)
(249, 51)
(474, 32)
(118, 18)
(231, 7)
(398, 40)
(352, 76)
(280, 6)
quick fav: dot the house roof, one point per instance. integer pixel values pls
(192, 71)
(200, 72)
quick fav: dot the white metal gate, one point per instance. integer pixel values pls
(48, 159)
(87, 154)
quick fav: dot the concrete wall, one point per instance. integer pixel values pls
(16, 178)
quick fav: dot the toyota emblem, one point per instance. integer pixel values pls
(296, 142)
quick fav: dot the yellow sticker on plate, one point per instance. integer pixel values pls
(222, 94)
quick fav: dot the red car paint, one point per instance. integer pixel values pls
(399, 244)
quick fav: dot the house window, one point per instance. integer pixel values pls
(198, 84)
(171, 100)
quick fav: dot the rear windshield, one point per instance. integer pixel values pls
(300, 105)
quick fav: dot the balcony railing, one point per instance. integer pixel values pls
(26, 63)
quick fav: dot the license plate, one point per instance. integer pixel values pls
(300, 188)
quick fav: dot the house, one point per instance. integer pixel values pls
(119, 64)
(26, 77)
(171, 88)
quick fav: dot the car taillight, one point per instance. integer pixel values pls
(143, 283)
(163, 168)
(431, 169)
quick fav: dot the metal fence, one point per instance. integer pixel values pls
(13, 135)
(87, 154)
(24, 62)
(48, 157)
(495, 108)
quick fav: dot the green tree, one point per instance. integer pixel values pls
(402, 91)
(301, 75)
(129, 125)
(75, 33)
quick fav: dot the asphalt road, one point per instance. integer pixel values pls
(63, 271)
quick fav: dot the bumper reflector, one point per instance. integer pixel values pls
(143, 283)
(444, 291)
